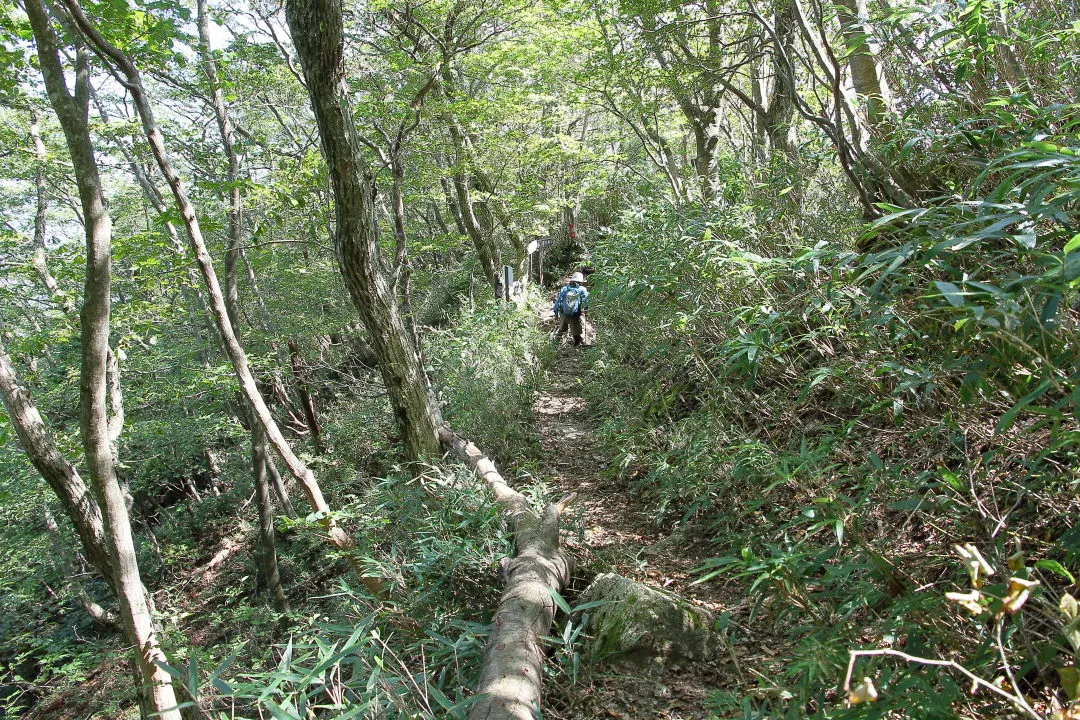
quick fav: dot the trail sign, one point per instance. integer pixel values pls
(508, 282)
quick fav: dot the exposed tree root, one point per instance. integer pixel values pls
(510, 680)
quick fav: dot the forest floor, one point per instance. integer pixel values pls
(610, 528)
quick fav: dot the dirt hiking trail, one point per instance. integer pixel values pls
(610, 528)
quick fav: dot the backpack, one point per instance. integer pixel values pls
(571, 301)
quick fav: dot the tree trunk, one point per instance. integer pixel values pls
(318, 35)
(502, 216)
(760, 84)
(225, 131)
(706, 143)
(279, 489)
(41, 266)
(482, 241)
(157, 696)
(234, 253)
(852, 145)
(308, 405)
(867, 74)
(260, 459)
(664, 157)
(40, 218)
(197, 311)
(780, 111)
(451, 202)
(511, 676)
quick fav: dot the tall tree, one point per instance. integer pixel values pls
(259, 455)
(318, 34)
(158, 697)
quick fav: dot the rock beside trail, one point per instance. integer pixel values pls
(638, 622)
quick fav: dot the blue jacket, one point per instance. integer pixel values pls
(562, 294)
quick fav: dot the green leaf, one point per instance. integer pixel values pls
(1070, 681)
(590, 605)
(1057, 568)
(953, 294)
(950, 478)
(563, 605)
(716, 566)
(440, 698)
(278, 712)
(1072, 244)
(193, 674)
(176, 674)
(1009, 417)
(286, 657)
(226, 662)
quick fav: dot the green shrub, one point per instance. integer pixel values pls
(438, 539)
(486, 369)
(865, 412)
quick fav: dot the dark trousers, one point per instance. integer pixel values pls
(573, 323)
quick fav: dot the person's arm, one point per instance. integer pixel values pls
(584, 299)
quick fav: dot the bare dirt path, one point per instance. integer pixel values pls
(611, 529)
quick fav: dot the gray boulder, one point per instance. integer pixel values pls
(638, 622)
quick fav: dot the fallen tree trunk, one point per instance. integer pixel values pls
(510, 680)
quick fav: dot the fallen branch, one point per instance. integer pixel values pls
(1017, 700)
(509, 687)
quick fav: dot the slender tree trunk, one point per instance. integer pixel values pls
(308, 405)
(157, 696)
(318, 35)
(452, 204)
(401, 280)
(664, 157)
(482, 241)
(760, 84)
(41, 265)
(867, 74)
(260, 459)
(473, 217)
(502, 215)
(197, 311)
(40, 218)
(213, 467)
(225, 131)
(778, 117)
(436, 215)
(235, 254)
(852, 143)
(702, 120)
(279, 488)
(706, 143)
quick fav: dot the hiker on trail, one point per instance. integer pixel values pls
(570, 303)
